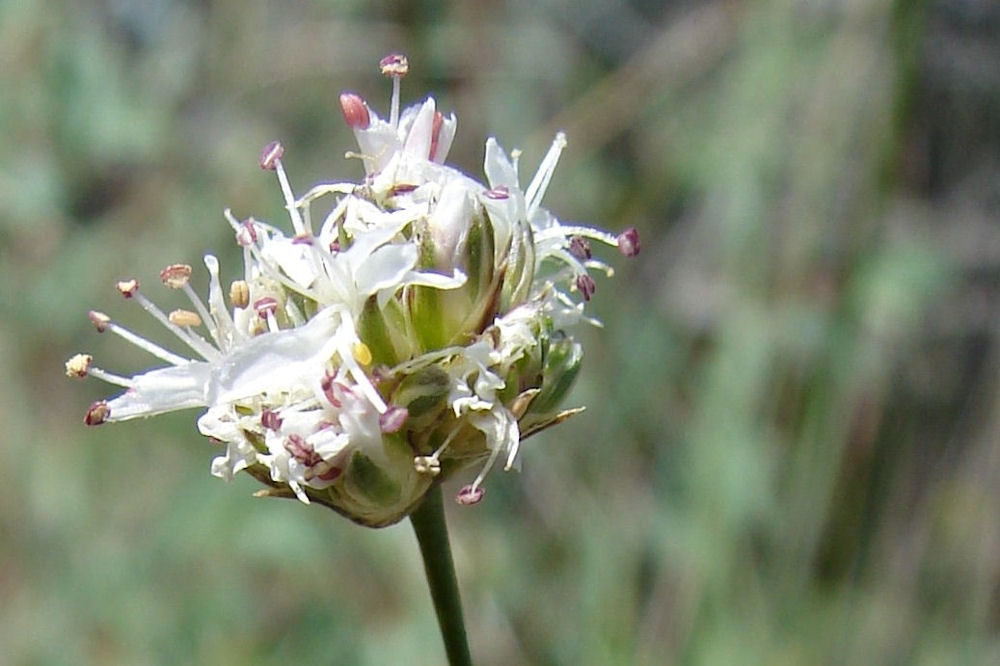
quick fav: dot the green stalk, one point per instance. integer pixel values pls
(432, 535)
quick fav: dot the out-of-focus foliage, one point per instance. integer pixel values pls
(792, 454)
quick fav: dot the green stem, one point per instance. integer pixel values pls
(432, 535)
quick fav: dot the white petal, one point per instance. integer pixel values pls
(418, 139)
(163, 390)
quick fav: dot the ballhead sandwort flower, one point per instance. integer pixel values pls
(418, 327)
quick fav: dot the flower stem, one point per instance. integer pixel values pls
(432, 535)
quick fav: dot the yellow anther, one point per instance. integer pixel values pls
(184, 318)
(78, 365)
(127, 288)
(362, 354)
(239, 294)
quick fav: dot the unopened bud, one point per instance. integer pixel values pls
(394, 64)
(239, 294)
(127, 288)
(355, 111)
(393, 419)
(99, 320)
(97, 414)
(78, 365)
(470, 495)
(628, 242)
(175, 276)
(270, 155)
(184, 318)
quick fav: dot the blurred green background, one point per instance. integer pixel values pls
(792, 451)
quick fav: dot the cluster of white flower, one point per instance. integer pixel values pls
(417, 330)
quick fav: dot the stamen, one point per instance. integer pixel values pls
(265, 308)
(586, 285)
(302, 451)
(192, 340)
(78, 365)
(579, 247)
(290, 204)
(427, 465)
(326, 385)
(470, 495)
(393, 419)
(628, 242)
(362, 354)
(104, 323)
(500, 192)
(184, 318)
(99, 320)
(270, 420)
(175, 276)
(394, 65)
(270, 156)
(207, 318)
(564, 230)
(355, 111)
(97, 414)
(239, 294)
(128, 288)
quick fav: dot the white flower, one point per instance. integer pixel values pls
(418, 329)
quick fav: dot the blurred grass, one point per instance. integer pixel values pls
(790, 455)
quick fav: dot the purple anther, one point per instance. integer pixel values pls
(394, 64)
(270, 156)
(579, 247)
(628, 242)
(100, 320)
(269, 420)
(586, 285)
(500, 192)
(469, 495)
(265, 306)
(402, 188)
(175, 276)
(246, 235)
(393, 418)
(327, 387)
(302, 451)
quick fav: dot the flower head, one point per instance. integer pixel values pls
(420, 327)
